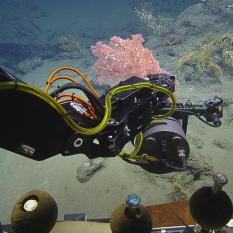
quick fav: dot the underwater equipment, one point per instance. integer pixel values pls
(131, 217)
(210, 207)
(35, 212)
(40, 124)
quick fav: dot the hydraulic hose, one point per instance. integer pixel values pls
(108, 106)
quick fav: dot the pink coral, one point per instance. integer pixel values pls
(122, 59)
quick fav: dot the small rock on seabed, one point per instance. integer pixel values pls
(88, 169)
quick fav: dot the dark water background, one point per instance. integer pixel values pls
(33, 28)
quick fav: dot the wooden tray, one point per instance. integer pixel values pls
(171, 214)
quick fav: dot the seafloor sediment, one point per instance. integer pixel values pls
(96, 187)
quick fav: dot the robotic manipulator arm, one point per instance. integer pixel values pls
(141, 111)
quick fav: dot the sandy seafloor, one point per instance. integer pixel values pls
(110, 185)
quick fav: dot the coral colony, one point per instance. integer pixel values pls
(121, 59)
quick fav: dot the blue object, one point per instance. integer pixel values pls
(133, 200)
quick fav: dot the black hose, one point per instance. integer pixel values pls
(99, 108)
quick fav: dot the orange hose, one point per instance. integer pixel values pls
(80, 73)
(77, 99)
(91, 112)
(52, 80)
(73, 97)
